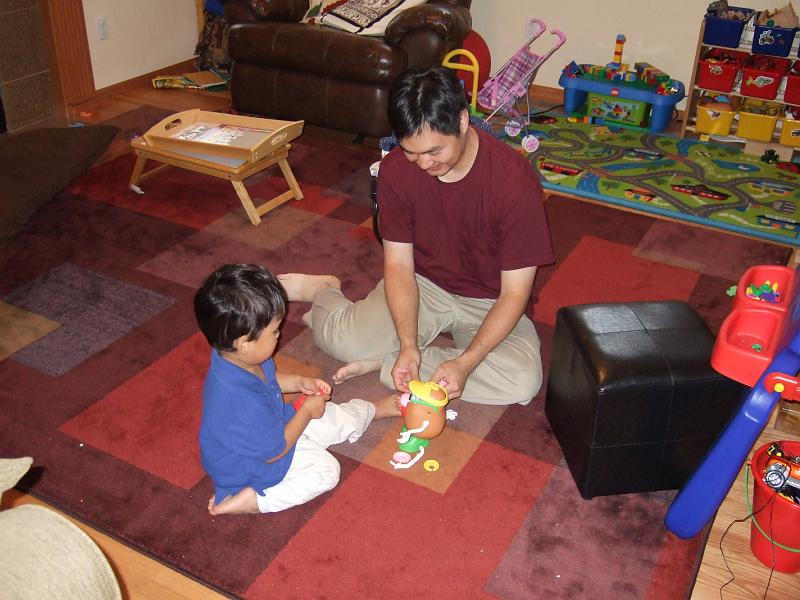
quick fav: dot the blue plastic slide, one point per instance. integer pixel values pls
(699, 499)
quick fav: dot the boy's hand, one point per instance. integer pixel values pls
(311, 385)
(314, 406)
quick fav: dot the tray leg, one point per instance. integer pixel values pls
(246, 201)
(136, 175)
(289, 176)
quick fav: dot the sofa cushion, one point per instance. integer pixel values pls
(366, 17)
(323, 51)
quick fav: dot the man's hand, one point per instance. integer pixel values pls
(406, 368)
(452, 375)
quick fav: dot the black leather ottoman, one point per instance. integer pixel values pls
(632, 397)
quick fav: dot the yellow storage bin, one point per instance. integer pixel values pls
(714, 115)
(757, 119)
(790, 134)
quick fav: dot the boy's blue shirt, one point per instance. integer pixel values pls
(242, 427)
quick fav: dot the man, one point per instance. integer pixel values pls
(464, 230)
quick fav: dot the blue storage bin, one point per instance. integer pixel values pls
(720, 31)
(775, 41)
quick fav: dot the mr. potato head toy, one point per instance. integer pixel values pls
(424, 413)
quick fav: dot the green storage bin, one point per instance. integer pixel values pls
(617, 110)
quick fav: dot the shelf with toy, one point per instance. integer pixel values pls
(745, 119)
(729, 79)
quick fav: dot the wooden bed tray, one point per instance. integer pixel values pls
(226, 146)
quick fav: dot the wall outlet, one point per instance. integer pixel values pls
(102, 28)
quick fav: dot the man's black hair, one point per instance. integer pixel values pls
(431, 98)
(238, 300)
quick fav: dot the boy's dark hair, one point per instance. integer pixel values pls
(429, 98)
(237, 300)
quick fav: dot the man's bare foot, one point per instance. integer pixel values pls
(356, 368)
(244, 502)
(304, 288)
(388, 406)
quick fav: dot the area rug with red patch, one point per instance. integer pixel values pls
(101, 369)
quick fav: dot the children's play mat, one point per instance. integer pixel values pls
(685, 179)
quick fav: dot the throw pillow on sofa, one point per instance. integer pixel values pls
(317, 8)
(366, 17)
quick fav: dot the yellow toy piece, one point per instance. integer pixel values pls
(431, 465)
(472, 67)
(429, 392)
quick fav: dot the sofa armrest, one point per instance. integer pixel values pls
(247, 11)
(451, 23)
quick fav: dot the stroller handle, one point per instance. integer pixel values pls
(540, 24)
(561, 38)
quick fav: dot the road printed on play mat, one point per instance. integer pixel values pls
(684, 179)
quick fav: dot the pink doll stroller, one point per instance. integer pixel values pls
(502, 92)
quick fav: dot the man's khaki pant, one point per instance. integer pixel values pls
(364, 330)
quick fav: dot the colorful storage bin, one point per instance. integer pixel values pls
(725, 31)
(776, 41)
(790, 133)
(718, 69)
(792, 93)
(761, 75)
(618, 110)
(715, 115)
(757, 119)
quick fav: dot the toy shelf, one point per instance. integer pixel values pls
(694, 92)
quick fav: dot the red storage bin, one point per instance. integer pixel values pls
(761, 75)
(718, 68)
(792, 93)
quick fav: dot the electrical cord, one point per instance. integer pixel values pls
(546, 110)
(770, 502)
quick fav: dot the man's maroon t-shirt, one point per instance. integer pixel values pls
(464, 233)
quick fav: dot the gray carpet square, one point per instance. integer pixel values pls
(94, 311)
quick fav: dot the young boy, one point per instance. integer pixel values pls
(263, 454)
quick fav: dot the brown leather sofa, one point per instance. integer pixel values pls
(285, 69)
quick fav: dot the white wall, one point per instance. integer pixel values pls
(144, 36)
(661, 32)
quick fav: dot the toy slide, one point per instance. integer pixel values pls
(758, 345)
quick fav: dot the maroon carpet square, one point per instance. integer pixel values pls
(94, 311)
(599, 271)
(190, 261)
(710, 252)
(152, 420)
(537, 564)
(194, 201)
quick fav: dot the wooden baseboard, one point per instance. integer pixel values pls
(543, 94)
(186, 66)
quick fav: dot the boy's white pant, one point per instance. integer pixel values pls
(314, 470)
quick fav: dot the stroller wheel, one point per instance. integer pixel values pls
(513, 129)
(530, 143)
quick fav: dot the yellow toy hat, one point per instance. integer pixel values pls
(429, 392)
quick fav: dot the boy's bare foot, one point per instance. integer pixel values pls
(304, 288)
(244, 502)
(356, 368)
(388, 406)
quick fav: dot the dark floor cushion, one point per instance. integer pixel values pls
(37, 164)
